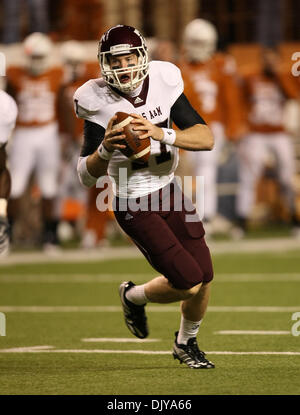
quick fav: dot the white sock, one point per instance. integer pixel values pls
(137, 295)
(187, 330)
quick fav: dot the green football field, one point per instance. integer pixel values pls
(65, 332)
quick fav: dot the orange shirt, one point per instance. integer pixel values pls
(212, 89)
(35, 95)
(265, 99)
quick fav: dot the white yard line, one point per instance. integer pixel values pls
(253, 353)
(72, 278)
(281, 245)
(254, 332)
(118, 340)
(160, 309)
(257, 309)
(72, 255)
(108, 278)
(28, 349)
(258, 277)
(59, 309)
(50, 349)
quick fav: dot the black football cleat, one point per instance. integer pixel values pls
(190, 354)
(134, 315)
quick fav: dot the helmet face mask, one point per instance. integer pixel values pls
(200, 40)
(37, 64)
(119, 41)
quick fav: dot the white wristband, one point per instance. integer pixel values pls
(169, 136)
(103, 153)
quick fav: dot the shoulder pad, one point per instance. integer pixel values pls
(8, 107)
(169, 72)
(8, 117)
(88, 96)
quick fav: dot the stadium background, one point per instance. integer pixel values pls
(243, 26)
(64, 327)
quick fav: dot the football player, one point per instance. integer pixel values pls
(35, 145)
(153, 93)
(77, 70)
(265, 94)
(8, 115)
(211, 87)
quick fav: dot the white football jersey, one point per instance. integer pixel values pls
(8, 116)
(96, 102)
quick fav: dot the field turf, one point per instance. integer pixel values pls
(51, 308)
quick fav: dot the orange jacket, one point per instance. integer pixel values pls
(264, 100)
(213, 90)
(36, 96)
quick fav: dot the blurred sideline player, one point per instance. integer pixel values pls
(35, 145)
(76, 72)
(211, 87)
(173, 246)
(161, 50)
(265, 94)
(8, 116)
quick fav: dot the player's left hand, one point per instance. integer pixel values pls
(148, 129)
(4, 236)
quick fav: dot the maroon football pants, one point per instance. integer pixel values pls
(175, 247)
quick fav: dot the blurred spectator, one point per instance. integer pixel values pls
(35, 145)
(212, 89)
(37, 11)
(269, 22)
(82, 19)
(76, 72)
(265, 94)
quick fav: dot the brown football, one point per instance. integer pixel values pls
(136, 150)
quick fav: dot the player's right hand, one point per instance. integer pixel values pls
(112, 137)
(4, 236)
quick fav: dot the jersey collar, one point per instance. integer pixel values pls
(138, 100)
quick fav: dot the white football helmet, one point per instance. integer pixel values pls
(123, 40)
(37, 48)
(72, 51)
(73, 56)
(200, 40)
